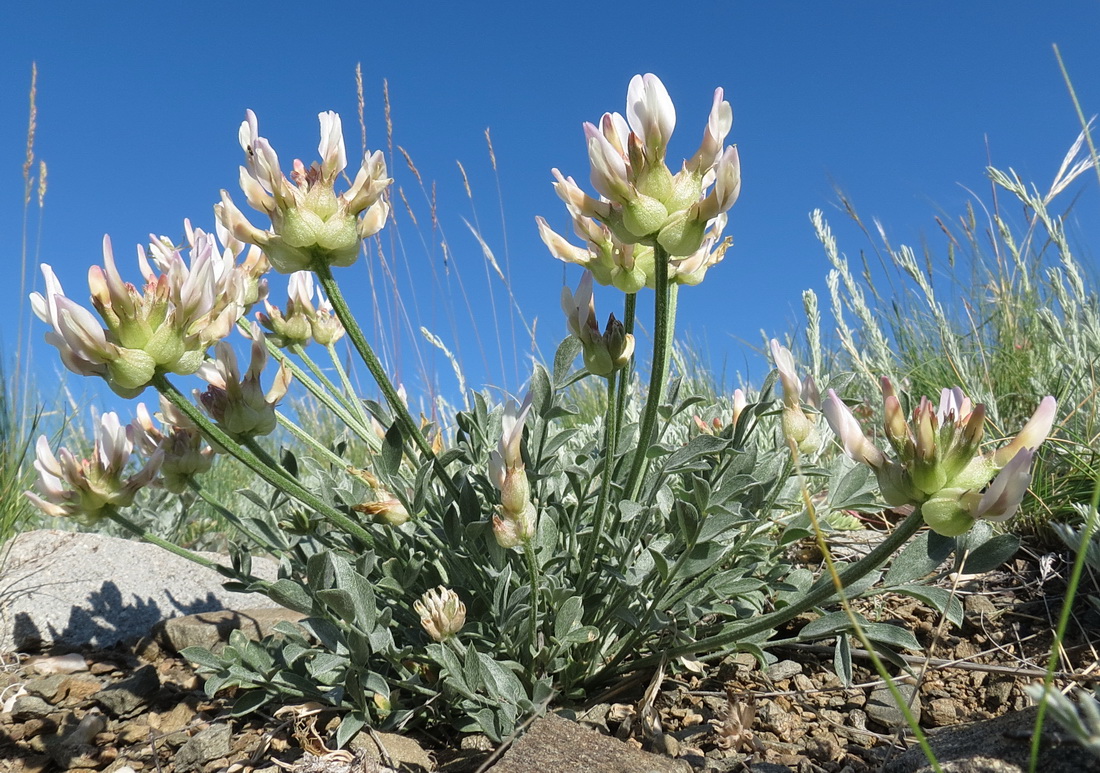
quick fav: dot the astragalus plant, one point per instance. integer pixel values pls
(477, 575)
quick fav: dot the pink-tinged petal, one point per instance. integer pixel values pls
(559, 247)
(255, 194)
(511, 425)
(145, 475)
(81, 331)
(333, 156)
(719, 123)
(374, 220)
(727, 184)
(113, 444)
(579, 203)
(369, 184)
(44, 458)
(1034, 432)
(955, 407)
(279, 388)
(740, 402)
(249, 132)
(121, 296)
(650, 112)
(259, 356)
(846, 427)
(237, 224)
(614, 127)
(784, 363)
(1003, 496)
(49, 508)
(300, 290)
(44, 304)
(609, 171)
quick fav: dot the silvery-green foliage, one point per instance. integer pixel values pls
(1080, 718)
(707, 543)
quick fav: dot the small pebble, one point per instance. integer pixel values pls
(61, 664)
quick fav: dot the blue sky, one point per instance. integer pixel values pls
(896, 103)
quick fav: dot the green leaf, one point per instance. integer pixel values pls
(568, 616)
(393, 448)
(471, 668)
(919, 558)
(563, 359)
(828, 625)
(351, 724)
(690, 456)
(842, 659)
(852, 490)
(541, 393)
(940, 599)
(991, 554)
(700, 558)
(203, 657)
(249, 702)
(340, 601)
(585, 634)
(893, 635)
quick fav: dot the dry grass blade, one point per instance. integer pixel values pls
(486, 250)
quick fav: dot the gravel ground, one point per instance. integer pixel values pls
(143, 707)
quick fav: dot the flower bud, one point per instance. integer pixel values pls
(442, 613)
(512, 528)
(390, 510)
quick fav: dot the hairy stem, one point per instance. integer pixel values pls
(401, 413)
(627, 376)
(610, 441)
(664, 322)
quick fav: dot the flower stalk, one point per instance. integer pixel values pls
(401, 414)
(664, 323)
(610, 445)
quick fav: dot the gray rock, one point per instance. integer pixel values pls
(46, 687)
(206, 745)
(1001, 745)
(211, 630)
(402, 751)
(784, 669)
(556, 744)
(882, 708)
(74, 589)
(30, 707)
(127, 696)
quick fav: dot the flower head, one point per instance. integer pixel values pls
(167, 326)
(641, 201)
(302, 320)
(82, 489)
(938, 464)
(310, 223)
(239, 405)
(442, 613)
